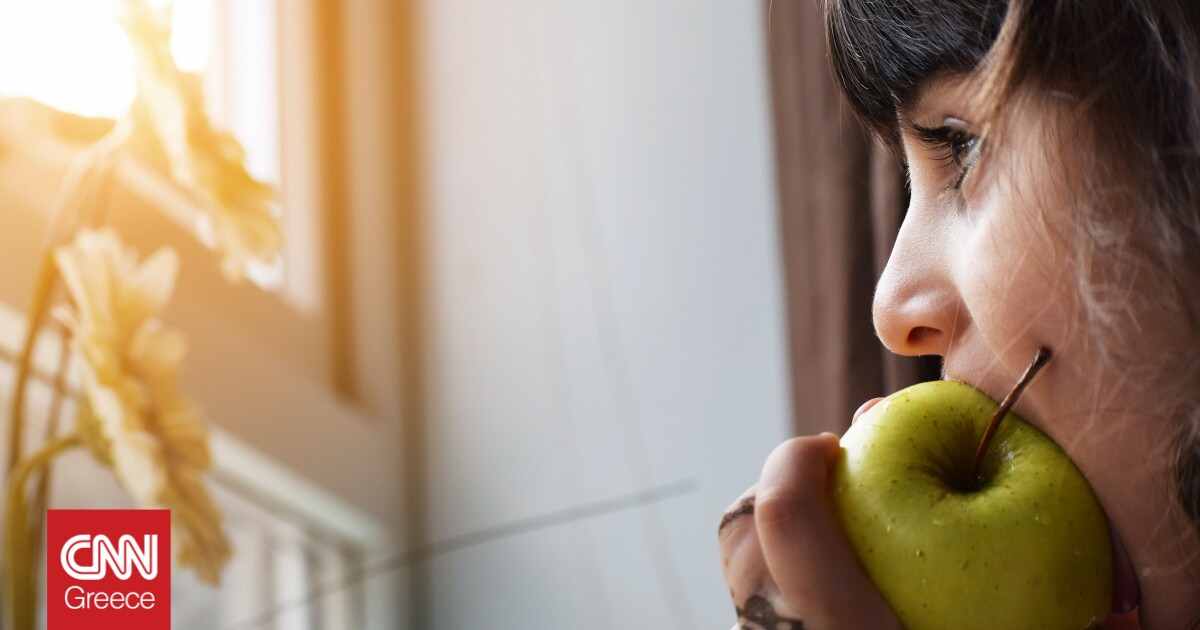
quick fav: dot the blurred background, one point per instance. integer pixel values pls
(540, 315)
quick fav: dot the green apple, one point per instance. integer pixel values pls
(1024, 545)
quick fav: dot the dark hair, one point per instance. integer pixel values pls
(1132, 70)
(883, 51)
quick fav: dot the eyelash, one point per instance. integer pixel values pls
(959, 146)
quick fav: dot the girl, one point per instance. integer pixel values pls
(1053, 153)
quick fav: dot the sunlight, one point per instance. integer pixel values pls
(71, 55)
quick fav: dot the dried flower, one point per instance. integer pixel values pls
(133, 416)
(169, 119)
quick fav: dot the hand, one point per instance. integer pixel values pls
(785, 558)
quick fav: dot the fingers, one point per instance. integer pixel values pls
(741, 556)
(784, 555)
(761, 613)
(805, 551)
(864, 409)
(758, 602)
(744, 506)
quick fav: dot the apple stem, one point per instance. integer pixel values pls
(1039, 361)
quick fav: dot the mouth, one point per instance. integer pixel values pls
(1126, 592)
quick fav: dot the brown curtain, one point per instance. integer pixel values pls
(841, 203)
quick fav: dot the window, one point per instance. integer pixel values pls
(261, 359)
(76, 59)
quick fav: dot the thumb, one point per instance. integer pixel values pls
(805, 549)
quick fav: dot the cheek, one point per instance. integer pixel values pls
(1020, 279)
(1016, 277)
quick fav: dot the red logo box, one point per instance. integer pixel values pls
(108, 569)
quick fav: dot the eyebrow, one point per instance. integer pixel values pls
(907, 113)
(916, 105)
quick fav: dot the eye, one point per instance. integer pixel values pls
(955, 146)
(960, 144)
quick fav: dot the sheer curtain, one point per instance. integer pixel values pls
(841, 203)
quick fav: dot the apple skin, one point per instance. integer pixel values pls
(1030, 548)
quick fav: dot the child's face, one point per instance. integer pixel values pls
(984, 272)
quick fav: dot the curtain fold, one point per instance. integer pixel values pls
(842, 200)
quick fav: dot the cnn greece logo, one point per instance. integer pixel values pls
(108, 570)
(123, 557)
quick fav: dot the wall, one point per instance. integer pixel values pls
(603, 341)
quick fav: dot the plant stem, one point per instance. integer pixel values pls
(37, 511)
(76, 192)
(94, 166)
(41, 303)
(19, 543)
(1040, 360)
(53, 420)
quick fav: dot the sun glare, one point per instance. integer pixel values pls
(72, 55)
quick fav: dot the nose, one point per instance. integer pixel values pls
(917, 308)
